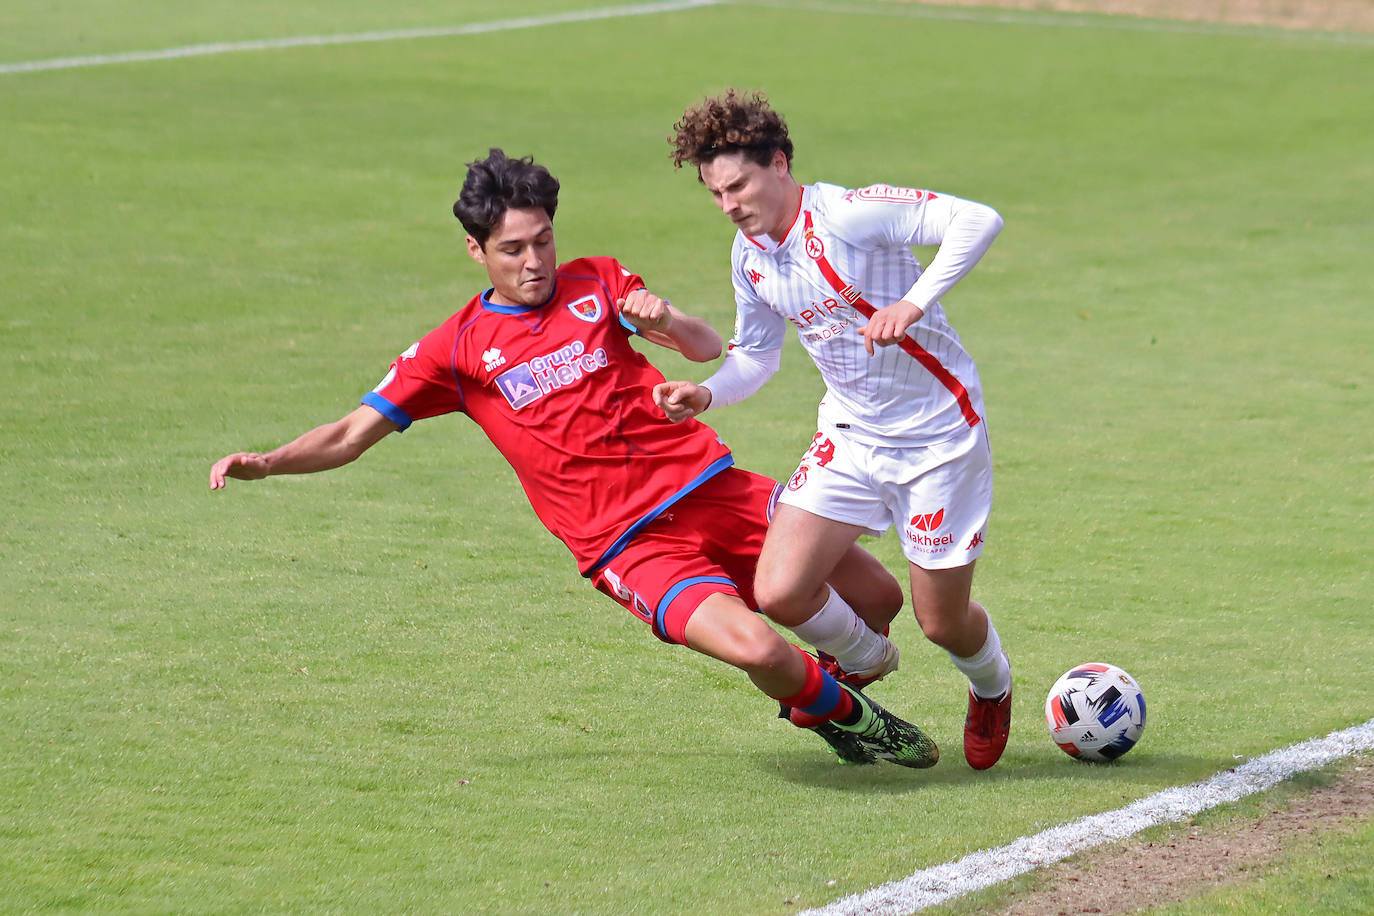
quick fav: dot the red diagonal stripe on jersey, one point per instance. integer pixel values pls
(917, 352)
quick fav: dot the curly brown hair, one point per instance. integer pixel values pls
(731, 123)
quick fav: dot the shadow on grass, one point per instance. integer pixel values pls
(1137, 775)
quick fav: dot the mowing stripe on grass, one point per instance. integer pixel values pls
(301, 41)
(983, 869)
(1066, 20)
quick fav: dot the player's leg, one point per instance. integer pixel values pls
(942, 503)
(963, 628)
(686, 598)
(858, 729)
(826, 505)
(803, 550)
(868, 587)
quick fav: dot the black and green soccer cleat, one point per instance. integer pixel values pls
(845, 745)
(886, 737)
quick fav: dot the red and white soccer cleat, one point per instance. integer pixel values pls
(986, 729)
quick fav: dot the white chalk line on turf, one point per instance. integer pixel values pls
(303, 41)
(983, 869)
(1066, 20)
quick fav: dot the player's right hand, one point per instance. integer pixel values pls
(240, 466)
(681, 400)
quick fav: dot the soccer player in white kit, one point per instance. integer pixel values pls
(902, 438)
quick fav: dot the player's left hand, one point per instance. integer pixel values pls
(646, 311)
(888, 325)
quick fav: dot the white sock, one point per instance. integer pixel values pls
(987, 670)
(836, 629)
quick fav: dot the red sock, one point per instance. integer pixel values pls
(821, 698)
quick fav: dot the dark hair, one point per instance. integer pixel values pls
(731, 123)
(499, 183)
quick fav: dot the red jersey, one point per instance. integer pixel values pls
(565, 398)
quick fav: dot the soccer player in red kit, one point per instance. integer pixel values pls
(654, 512)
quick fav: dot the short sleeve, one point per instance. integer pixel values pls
(421, 383)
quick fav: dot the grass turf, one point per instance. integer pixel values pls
(386, 687)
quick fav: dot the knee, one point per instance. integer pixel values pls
(936, 629)
(781, 597)
(760, 648)
(959, 628)
(946, 627)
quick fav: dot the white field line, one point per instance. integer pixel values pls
(1065, 20)
(983, 869)
(301, 41)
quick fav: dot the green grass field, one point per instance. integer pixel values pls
(386, 689)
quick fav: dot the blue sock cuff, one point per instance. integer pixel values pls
(829, 697)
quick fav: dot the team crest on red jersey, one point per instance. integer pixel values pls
(588, 308)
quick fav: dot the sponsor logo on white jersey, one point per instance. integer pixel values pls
(493, 358)
(528, 382)
(890, 194)
(823, 320)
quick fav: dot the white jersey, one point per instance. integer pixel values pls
(847, 254)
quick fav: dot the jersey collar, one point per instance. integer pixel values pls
(516, 309)
(766, 243)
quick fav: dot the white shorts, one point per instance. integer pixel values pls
(939, 496)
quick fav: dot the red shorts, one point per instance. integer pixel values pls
(707, 543)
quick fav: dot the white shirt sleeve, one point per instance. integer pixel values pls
(884, 216)
(756, 349)
(742, 374)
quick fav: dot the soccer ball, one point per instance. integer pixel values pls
(1095, 712)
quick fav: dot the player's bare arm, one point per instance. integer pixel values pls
(889, 325)
(657, 320)
(323, 448)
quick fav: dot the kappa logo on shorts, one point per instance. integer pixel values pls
(977, 539)
(798, 479)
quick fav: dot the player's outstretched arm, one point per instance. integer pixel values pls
(324, 447)
(657, 320)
